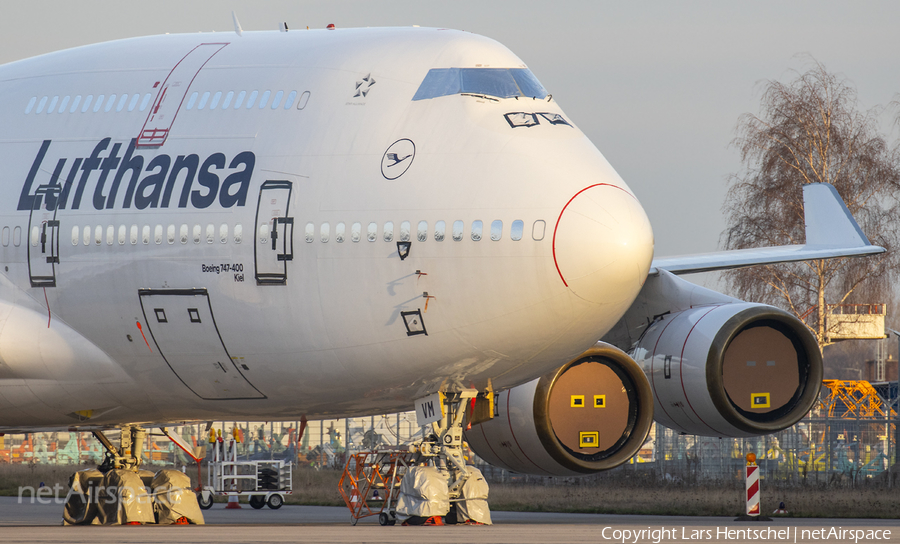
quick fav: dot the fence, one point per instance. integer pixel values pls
(849, 438)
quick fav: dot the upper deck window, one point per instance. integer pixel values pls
(494, 82)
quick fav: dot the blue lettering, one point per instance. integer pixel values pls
(152, 186)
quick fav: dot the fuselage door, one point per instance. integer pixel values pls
(184, 329)
(171, 93)
(273, 244)
(43, 247)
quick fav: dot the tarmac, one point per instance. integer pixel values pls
(24, 521)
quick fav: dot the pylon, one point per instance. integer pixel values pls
(233, 502)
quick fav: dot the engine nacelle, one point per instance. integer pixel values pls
(732, 370)
(590, 415)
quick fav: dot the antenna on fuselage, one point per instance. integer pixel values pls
(237, 25)
(283, 27)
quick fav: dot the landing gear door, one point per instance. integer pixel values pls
(273, 246)
(43, 248)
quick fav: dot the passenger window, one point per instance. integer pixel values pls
(339, 231)
(30, 105)
(252, 99)
(203, 100)
(223, 233)
(41, 104)
(518, 227)
(388, 231)
(17, 236)
(122, 234)
(110, 235)
(170, 234)
(192, 100)
(74, 236)
(264, 234)
(75, 104)
(98, 103)
(240, 99)
(355, 232)
(98, 235)
(183, 234)
(215, 100)
(6, 235)
(496, 230)
(133, 103)
(290, 100)
(197, 232)
(145, 102)
(210, 233)
(63, 104)
(477, 227)
(439, 229)
(537, 231)
(35, 236)
(277, 100)
(310, 233)
(121, 105)
(52, 106)
(145, 235)
(238, 233)
(304, 98)
(264, 99)
(86, 237)
(372, 232)
(134, 234)
(227, 101)
(457, 231)
(325, 232)
(87, 103)
(157, 235)
(422, 231)
(404, 231)
(109, 103)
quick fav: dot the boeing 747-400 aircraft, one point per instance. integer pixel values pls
(329, 223)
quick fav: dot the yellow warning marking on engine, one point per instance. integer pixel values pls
(599, 401)
(577, 401)
(589, 439)
(760, 400)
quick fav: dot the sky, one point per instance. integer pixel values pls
(658, 86)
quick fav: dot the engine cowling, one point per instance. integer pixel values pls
(730, 370)
(589, 415)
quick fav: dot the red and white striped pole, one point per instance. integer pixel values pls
(752, 485)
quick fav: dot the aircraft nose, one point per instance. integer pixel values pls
(603, 244)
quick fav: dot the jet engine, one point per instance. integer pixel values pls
(591, 414)
(730, 370)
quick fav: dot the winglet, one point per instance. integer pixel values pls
(828, 221)
(237, 25)
(831, 232)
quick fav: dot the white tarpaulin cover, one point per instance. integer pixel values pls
(173, 498)
(423, 492)
(473, 505)
(124, 499)
(81, 503)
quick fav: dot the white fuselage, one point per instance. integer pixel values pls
(168, 301)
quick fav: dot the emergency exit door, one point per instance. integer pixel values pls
(273, 246)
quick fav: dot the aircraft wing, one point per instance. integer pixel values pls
(831, 232)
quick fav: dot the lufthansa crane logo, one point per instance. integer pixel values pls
(397, 158)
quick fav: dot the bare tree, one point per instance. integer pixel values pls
(811, 130)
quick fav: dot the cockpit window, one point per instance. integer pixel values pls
(494, 82)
